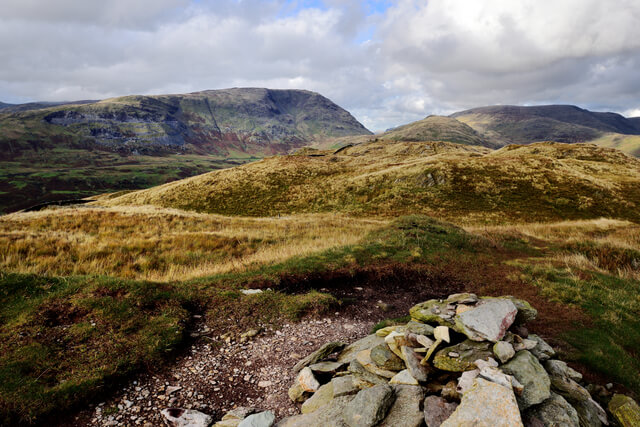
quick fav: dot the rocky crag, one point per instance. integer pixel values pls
(462, 361)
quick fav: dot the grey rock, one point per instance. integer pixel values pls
(359, 371)
(488, 320)
(239, 413)
(503, 351)
(526, 313)
(385, 358)
(327, 416)
(320, 398)
(486, 404)
(419, 328)
(405, 411)
(350, 352)
(412, 359)
(530, 373)
(403, 377)
(319, 354)
(590, 413)
(437, 410)
(369, 407)
(468, 352)
(178, 417)
(542, 350)
(343, 386)
(553, 412)
(326, 367)
(563, 381)
(263, 419)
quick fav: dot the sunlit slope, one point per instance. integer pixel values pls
(540, 181)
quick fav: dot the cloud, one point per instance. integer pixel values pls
(387, 62)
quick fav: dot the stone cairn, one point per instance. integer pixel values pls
(462, 361)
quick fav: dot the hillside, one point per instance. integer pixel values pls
(542, 181)
(562, 123)
(68, 151)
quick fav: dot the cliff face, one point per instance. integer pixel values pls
(250, 120)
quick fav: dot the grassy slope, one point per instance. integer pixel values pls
(544, 181)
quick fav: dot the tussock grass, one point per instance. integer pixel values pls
(163, 244)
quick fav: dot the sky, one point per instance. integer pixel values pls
(387, 62)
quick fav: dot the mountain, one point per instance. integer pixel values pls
(541, 181)
(71, 150)
(3, 105)
(510, 124)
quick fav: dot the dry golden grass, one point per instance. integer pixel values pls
(163, 244)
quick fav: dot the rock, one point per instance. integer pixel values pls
(503, 351)
(563, 381)
(441, 333)
(319, 354)
(486, 404)
(265, 384)
(369, 407)
(364, 357)
(320, 398)
(450, 391)
(419, 328)
(524, 344)
(307, 380)
(383, 332)
(328, 416)
(489, 320)
(542, 350)
(526, 313)
(172, 389)
(344, 386)
(490, 362)
(469, 351)
(395, 340)
(466, 380)
(263, 419)
(405, 410)
(326, 367)
(462, 298)
(177, 417)
(590, 413)
(433, 311)
(437, 410)
(359, 371)
(239, 413)
(349, 353)
(412, 359)
(385, 358)
(530, 373)
(404, 377)
(296, 393)
(553, 412)
(497, 376)
(251, 291)
(625, 410)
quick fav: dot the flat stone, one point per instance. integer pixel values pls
(178, 417)
(503, 351)
(307, 380)
(430, 312)
(625, 410)
(320, 398)
(486, 404)
(419, 328)
(239, 413)
(327, 416)
(563, 381)
(359, 371)
(383, 332)
(263, 419)
(383, 357)
(466, 380)
(326, 367)
(488, 320)
(369, 407)
(555, 411)
(542, 350)
(437, 410)
(172, 389)
(319, 354)
(412, 359)
(405, 410)
(364, 357)
(468, 351)
(404, 377)
(344, 386)
(526, 368)
(349, 353)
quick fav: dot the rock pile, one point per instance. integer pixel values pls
(462, 361)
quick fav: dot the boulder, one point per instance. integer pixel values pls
(320, 398)
(437, 410)
(412, 359)
(404, 377)
(369, 407)
(344, 386)
(468, 352)
(319, 354)
(349, 353)
(625, 410)
(526, 313)
(304, 383)
(486, 404)
(364, 357)
(405, 410)
(360, 372)
(488, 320)
(326, 367)
(553, 412)
(503, 351)
(590, 413)
(328, 416)
(385, 358)
(434, 311)
(542, 350)
(178, 417)
(530, 373)
(419, 328)
(263, 419)
(563, 381)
